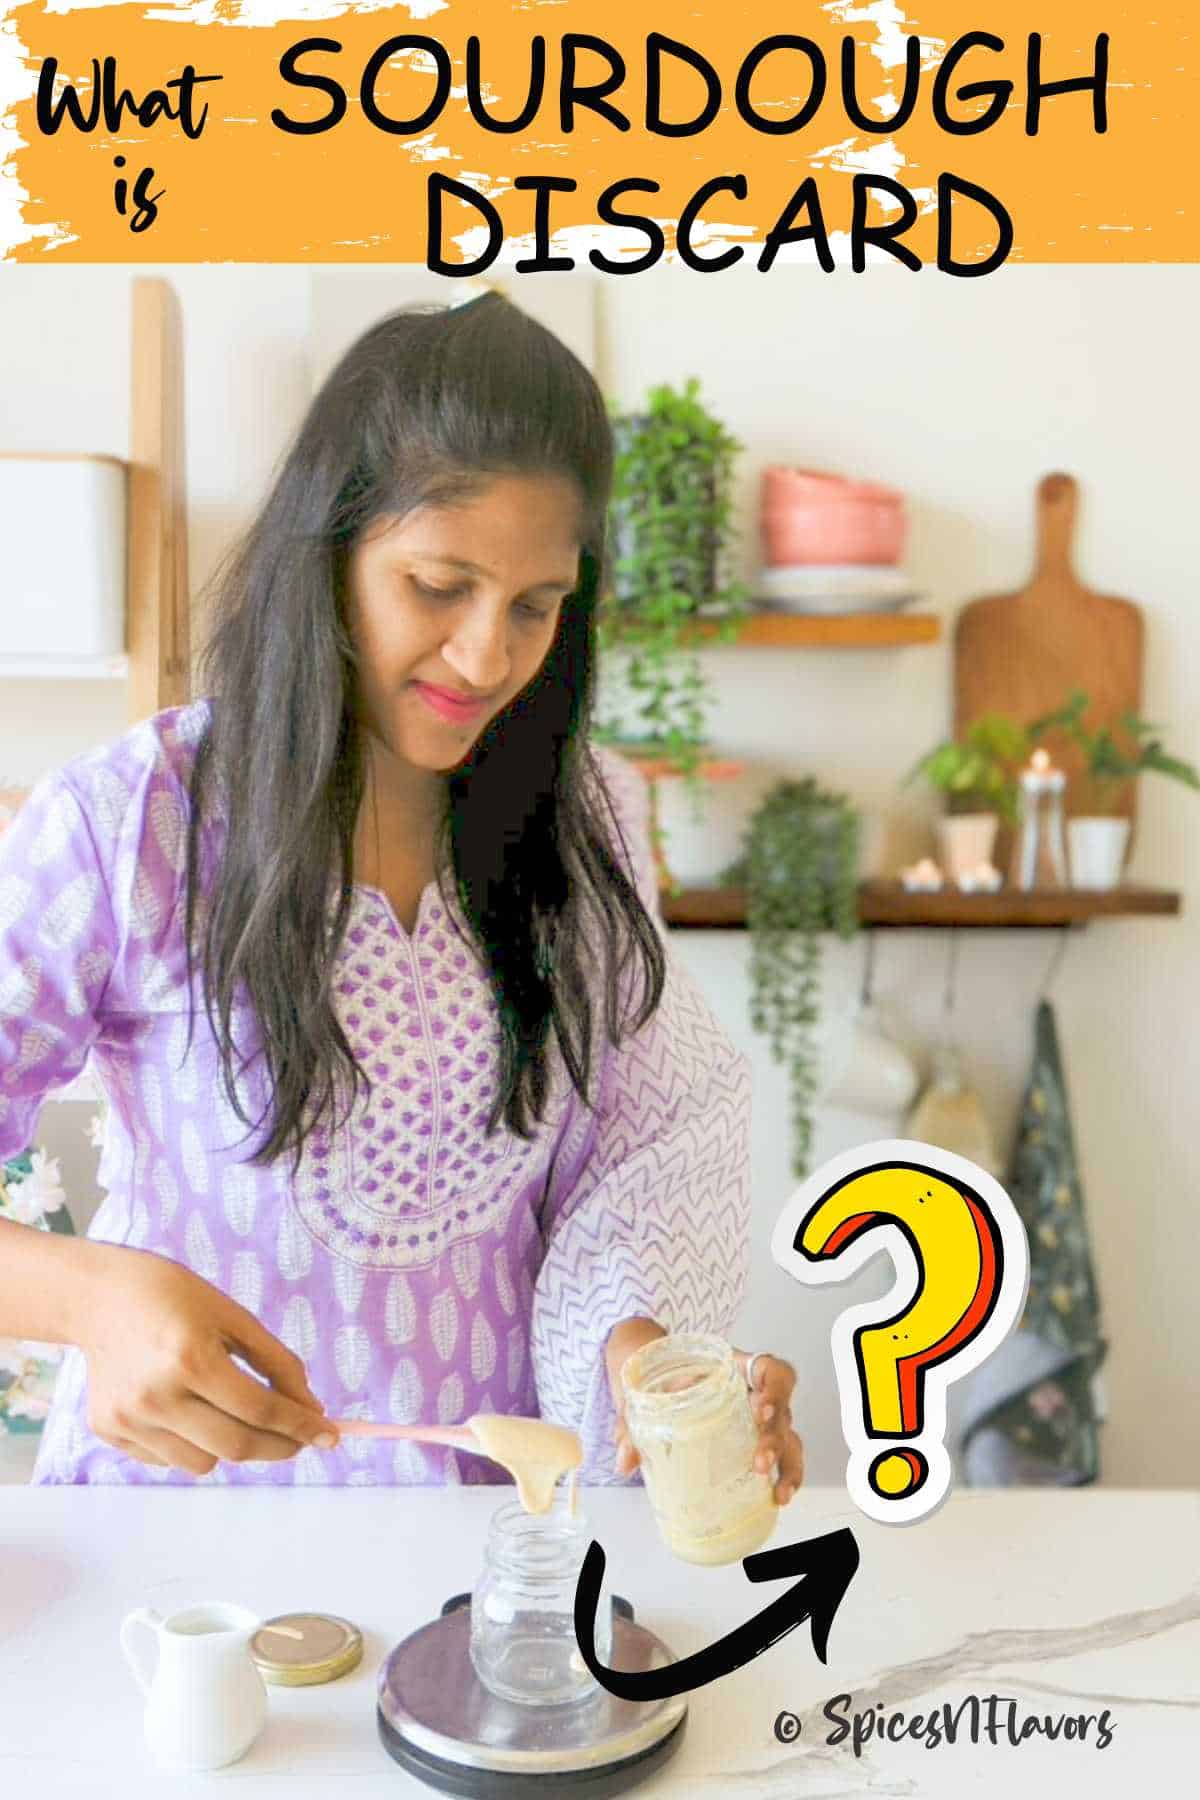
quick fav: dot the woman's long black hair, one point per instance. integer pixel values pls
(425, 408)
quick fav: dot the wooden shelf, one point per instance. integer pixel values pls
(830, 631)
(650, 761)
(886, 903)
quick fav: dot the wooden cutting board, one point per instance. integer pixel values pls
(1024, 653)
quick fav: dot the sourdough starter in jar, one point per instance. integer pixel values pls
(689, 1416)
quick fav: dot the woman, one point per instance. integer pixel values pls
(404, 1095)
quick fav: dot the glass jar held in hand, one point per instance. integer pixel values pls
(707, 1440)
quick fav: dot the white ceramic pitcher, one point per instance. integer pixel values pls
(205, 1699)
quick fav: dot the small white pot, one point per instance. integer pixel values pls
(1097, 850)
(701, 833)
(966, 842)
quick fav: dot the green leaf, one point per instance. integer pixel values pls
(1069, 714)
(993, 735)
(1161, 764)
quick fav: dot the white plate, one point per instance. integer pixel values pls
(797, 581)
(837, 603)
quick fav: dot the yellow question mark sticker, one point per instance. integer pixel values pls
(962, 1271)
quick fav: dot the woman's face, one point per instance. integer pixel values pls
(453, 610)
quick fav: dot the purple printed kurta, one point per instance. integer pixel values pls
(422, 1269)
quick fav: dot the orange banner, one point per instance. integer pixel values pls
(559, 133)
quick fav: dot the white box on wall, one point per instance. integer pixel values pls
(63, 528)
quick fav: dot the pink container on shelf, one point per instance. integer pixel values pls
(808, 517)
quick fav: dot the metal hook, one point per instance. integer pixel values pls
(867, 991)
(1055, 963)
(950, 990)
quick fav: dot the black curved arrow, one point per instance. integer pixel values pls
(826, 1567)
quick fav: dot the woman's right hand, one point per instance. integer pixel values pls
(162, 1384)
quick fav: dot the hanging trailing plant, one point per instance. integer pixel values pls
(800, 871)
(669, 533)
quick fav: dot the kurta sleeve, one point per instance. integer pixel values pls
(647, 1209)
(57, 950)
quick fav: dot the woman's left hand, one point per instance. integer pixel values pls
(771, 1403)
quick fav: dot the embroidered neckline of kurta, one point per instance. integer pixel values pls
(412, 1172)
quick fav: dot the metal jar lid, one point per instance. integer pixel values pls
(306, 1649)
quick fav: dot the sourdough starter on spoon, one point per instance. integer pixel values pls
(536, 1454)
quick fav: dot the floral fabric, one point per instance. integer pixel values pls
(30, 1194)
(1036, 1418)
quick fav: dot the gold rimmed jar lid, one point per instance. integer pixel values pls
(304, 1648)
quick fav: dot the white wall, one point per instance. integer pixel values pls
(963, 393)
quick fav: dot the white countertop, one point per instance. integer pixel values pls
(1063, 1601)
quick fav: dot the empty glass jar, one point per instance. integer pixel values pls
(689, 1416)
(523, 1643)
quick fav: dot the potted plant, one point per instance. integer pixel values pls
(978, 775)
(1098, 837)
(669, 530)
(799, 867)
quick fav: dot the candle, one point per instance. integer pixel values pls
(1039, 860)
(1041, 777)
(923, 878)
